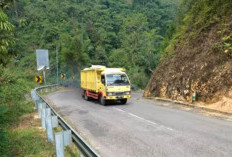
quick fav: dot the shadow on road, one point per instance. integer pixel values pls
(108, 103)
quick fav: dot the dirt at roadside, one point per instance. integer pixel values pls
(224, 105)
(29, 121)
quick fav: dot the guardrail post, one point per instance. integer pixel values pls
(40, 106)
(35, 98)
(62, 139)
(54, 121)
(33, 94)
(43, 115)
(49, 129)
(48, 123)
(67, 137)
(48, 112)
(37, 104)
(59, 144)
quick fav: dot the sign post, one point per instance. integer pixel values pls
(44, 75)
(57, 64)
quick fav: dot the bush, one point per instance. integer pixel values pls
(12, 103)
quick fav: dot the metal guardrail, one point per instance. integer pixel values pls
(81, 144)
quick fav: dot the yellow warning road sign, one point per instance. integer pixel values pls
(38, 79)
(62, 76)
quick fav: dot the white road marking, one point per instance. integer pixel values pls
(143, 119)
(119, 109)
(151, 122)
(169, 129)
(133, 115)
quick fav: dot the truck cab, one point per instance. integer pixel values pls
(116, 84)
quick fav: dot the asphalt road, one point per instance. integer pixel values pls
(144, 128)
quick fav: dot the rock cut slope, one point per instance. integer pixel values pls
(199, 57)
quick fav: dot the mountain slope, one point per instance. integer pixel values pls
(199, 56)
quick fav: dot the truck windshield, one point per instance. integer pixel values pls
(117, 80)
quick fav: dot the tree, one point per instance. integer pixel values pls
(6, 38)
(75, 56)
(108, 31)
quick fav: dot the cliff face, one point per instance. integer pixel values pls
(201, 57)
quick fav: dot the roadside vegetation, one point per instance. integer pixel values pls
(198, 17)
(19, 131)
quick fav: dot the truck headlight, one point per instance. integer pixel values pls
(110, 94)
(127, 93)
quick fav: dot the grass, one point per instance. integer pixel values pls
(23, 135)
(20, 131)
(27, 139)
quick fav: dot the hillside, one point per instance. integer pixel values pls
(94, 32)
(198, 57)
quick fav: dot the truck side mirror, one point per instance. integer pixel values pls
(132, 87)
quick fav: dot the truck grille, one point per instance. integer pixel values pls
(119, 93)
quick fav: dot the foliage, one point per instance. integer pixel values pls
(196, 17)
(6, 38)
(12, 102)
(92, 32)
(74, 53)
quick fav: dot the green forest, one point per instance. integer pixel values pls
(120, 33)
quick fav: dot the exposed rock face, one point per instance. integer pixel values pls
(199, 65)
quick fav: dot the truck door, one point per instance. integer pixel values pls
(102, 86)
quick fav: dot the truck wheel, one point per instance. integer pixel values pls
(102, 100)
(123, 101)
(86, 97)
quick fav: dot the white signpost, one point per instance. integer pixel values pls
(42, 59)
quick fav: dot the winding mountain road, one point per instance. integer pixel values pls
(144, 128)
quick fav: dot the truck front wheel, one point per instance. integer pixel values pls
(123, 101)
(102, 100)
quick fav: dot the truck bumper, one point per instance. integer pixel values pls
(117, 97)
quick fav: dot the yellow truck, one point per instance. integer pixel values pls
(104, 84)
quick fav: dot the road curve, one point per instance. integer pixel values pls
(143, 128)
